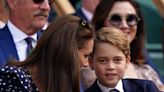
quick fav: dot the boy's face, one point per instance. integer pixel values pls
(109, 63)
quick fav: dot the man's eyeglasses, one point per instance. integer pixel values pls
(116, 20)
(41, 1)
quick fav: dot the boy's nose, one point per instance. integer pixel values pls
(110, 65)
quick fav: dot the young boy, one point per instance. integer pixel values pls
(111, 56)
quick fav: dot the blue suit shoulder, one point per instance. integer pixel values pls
(130, 85)
(94, 88)
(139, 85)
(7, 46)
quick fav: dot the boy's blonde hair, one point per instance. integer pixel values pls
(115, 37)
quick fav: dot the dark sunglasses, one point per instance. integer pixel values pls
(131, 20)
(41, 1)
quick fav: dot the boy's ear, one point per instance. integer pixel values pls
(128, 60)
(91, 64)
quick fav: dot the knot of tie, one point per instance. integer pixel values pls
(29, 45)
(29, 40)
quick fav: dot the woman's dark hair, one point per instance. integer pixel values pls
(137, 45)
(56, 54)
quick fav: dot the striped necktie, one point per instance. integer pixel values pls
(29, 46)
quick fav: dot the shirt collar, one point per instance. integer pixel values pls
(45, 26)
(119, 87)
(88, 14)
(17, 34)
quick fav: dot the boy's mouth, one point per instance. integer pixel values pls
(110, 75)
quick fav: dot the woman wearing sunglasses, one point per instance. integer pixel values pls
(126, 15)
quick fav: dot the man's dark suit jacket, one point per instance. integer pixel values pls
(7, 46)
(130, 85)
(80, 14)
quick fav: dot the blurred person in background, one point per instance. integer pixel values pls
(160, 5)
(87, 9)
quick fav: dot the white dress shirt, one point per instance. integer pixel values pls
(87, 14)
(19, 40)
(119, 87)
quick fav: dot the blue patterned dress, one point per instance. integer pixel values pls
(14, 79)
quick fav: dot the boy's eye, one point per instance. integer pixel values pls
(117, 60)
(102, 61)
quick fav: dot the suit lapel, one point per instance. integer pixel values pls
(97, 88)
(39, 34)
(7, 44)
(94, 88)
(126, 86)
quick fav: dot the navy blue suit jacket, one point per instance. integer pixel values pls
(80, 14)
(130, 85)
(7, 46)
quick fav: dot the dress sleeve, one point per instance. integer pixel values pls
(150, 74)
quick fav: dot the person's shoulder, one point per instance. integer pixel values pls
(9, 73)
(14, 79)
(137, 81)
(10, 70)
(140, 85)
(93, 88)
